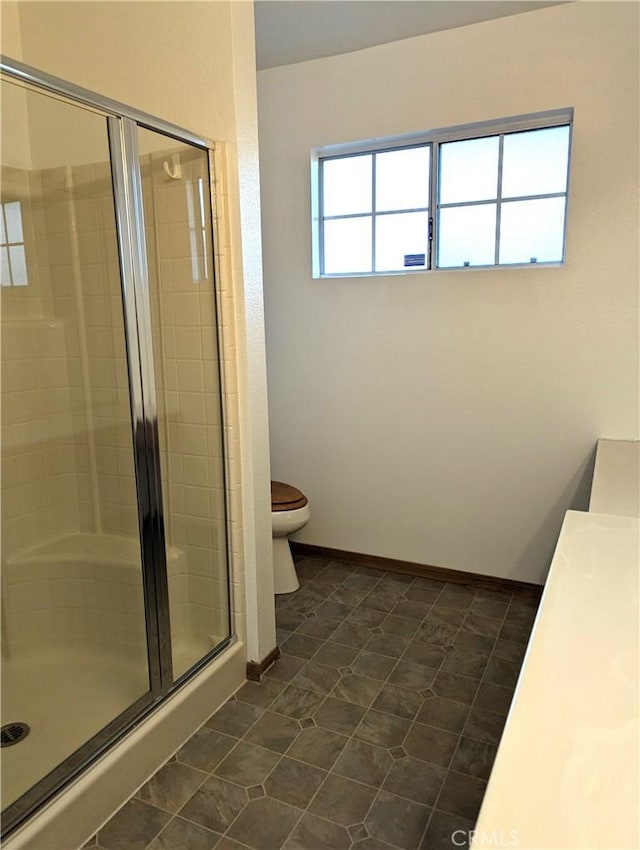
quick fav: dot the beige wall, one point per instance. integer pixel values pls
(10, 38)
(15, 142)
(450, 418)
(190, 63)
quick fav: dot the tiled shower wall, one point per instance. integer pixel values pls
(63, 344)
(67, 462)
(183, 314)
(100, 322)
(44, 456)
(85, 281)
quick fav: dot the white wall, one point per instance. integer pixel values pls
(191, 63)
(450, 418)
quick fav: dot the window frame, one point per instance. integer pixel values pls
(373, 213)
(433, 139)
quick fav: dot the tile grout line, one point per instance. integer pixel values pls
(359, 650)
(212, 773)
(239, 741)
(400, 658)
(284, 754)
(175, 815)
(208, 775)
(467, 611)
(349, 739)
(385, 681)
(471, 706)
(367, 709)
(135, 797)
(414, 721)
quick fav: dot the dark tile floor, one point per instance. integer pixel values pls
(376, 729)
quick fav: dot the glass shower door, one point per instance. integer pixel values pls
(179, 236)
(115, 574)
(74, 637)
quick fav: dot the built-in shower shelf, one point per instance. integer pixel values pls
(81, 586)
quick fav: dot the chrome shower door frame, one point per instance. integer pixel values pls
(137, 316)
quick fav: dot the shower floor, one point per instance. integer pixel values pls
(66, 696)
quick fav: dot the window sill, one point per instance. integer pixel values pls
(410, 272)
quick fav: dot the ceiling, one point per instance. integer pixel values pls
(289, 31)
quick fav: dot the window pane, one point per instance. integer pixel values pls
(347, 245)
(467, 236)
(14, 221)
(535, 163)
(469, 170)
(346, 187)
(3, 238)
(532, 229)
(401, 241)
(5, 274)
(402, 179)
(18, 265)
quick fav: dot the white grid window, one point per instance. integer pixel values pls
(483, 195)
(13, 261)
(376, 211)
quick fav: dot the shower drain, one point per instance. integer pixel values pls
(13, 733)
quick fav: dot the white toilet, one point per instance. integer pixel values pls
(289, 513)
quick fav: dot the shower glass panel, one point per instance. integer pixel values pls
(74, 641)
(177, 212)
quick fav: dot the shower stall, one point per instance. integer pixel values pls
(115, 524)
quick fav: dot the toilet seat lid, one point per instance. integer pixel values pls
(285, 497)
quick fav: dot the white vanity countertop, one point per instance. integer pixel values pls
(566, 772)
(616, 478)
